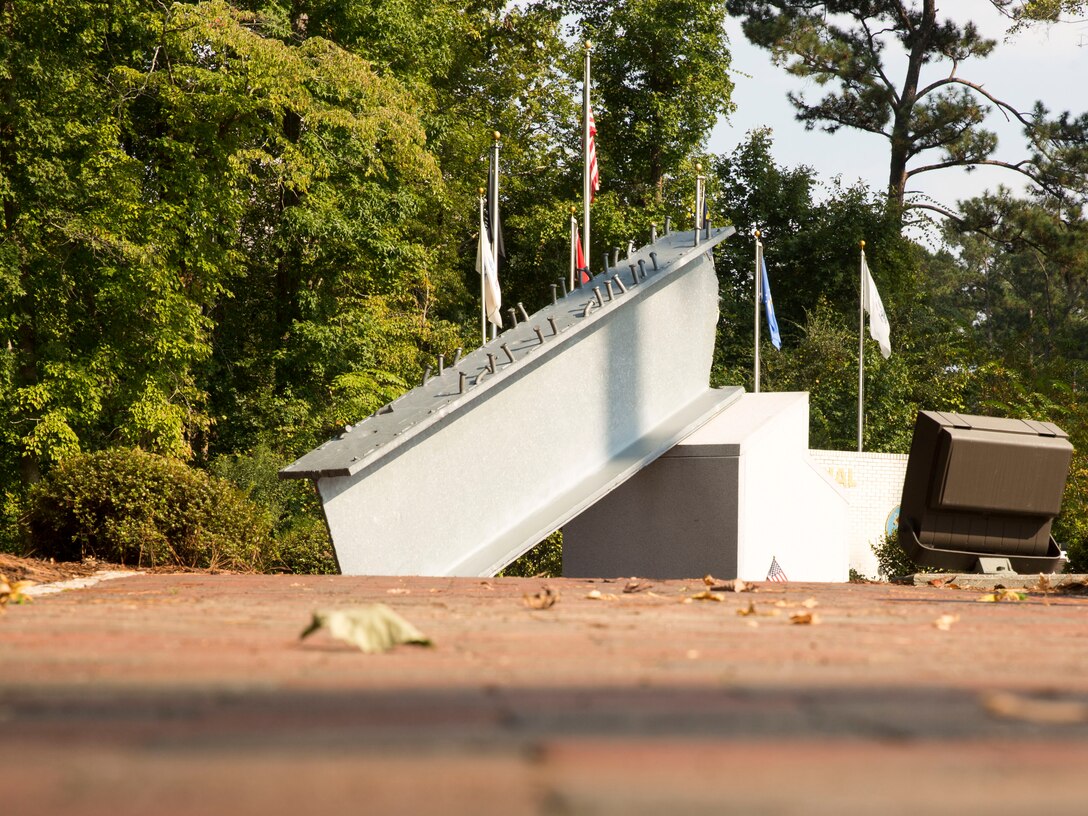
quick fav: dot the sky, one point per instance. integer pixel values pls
(1047, 63)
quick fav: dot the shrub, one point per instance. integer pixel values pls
(300, 539)
(544, 560)
(11, 510)
(133, 507)
(892, 560)
(1071, 527)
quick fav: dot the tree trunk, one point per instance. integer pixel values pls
(902, 141)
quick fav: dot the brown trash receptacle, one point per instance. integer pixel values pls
(983, 487)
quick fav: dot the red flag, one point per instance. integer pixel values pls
(594, 173)
(580, 264)
(580, 258)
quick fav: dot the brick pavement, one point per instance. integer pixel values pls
(191, 694)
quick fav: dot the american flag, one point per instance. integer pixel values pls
(776, 573)
(594, 173)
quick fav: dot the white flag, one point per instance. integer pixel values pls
(485, 265)
(879, 328)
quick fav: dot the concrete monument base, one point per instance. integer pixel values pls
(726, 500)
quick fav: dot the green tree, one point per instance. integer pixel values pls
(1041, 11)
(811, 247)
(1027, 276)
(811, 234)
(848, 45)
(661, 76)
(101, 306)
(193, 206)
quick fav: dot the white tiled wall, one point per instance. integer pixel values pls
(873, 483)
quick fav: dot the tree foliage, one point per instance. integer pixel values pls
(931, 122)
(655, 102)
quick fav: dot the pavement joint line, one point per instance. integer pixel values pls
(78, 583)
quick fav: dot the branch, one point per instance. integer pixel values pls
(963, 223)
(1017, 167)
(1004, 107)
(904, 16)
(808, 113)
(951, 139)
(873, 52)
(940, 210)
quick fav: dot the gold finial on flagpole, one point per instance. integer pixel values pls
(698, 167)
(573, 209)
(496, 135)
(757, 234)
(863, 245)
(589, 45)
(482, 191)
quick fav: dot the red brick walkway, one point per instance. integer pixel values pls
(183, 694)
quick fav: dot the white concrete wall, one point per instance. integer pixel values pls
(873, 486)
(789, 509)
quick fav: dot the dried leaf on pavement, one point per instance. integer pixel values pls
(810, 603)
(751, 610)
(597, 595)
(372, 628)
(13, 592)
(705, 595)
(1028, 709)
(804, 618)
(735, 585)
(944, 622)
(634, 585)
(1002, 595)
(545, 599)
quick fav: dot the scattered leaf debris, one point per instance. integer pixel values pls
(751, 610)
(944, 622)
(545, 599)
(1034, 709)
(732, 585)
(705, 595)
(1073, 588)
(13, 592)
(635, 585)
(810, 603)
(804, 618)
(597, 595)
(1002, 595)
(372, 628)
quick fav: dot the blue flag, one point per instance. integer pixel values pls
(772, 323)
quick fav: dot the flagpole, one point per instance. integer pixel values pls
(483, 293)
(861, 348)
(573, 251)
(494, 181)
(758, 279)
(586, 191)
(700, 197)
